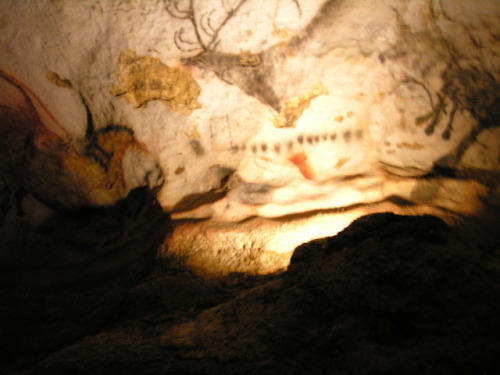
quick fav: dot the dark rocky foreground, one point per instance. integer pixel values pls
(389, 295)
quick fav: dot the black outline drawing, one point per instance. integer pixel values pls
(297, 4)
(93, 149)
(206, 33)
(438, 109)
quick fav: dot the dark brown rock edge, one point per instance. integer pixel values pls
(66, 278)
(389, 295)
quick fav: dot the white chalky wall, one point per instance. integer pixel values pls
(408, 89)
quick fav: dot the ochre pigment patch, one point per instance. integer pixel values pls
(145, 78)
(56, 80)
(341, 162)
(247, 58)
(282, 33)
(293, 108)
(411, 146)
(300, 160)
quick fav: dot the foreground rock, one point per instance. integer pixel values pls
(65, 279)
(390, 294)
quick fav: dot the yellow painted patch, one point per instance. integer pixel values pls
(341, 162)
(103, 187)
(101, 184)
(250, 59)
(193, 132)
(339, 118)
(56, 80)
(293, 108)
(411, 146)
(282, 33)
(106, 185)
(145, 78)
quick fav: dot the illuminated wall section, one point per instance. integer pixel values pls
(249, 109)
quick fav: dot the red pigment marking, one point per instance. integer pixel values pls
(41, 133)
(300, 160)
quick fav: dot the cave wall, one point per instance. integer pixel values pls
(231, 109)
(147, 143)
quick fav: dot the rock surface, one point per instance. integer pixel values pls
(390, 294)
(65, 279)
(219, 135)
(234, 109)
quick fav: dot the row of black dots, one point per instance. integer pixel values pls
(301, 139)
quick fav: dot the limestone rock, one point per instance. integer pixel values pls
(390, 294)
(409, 89)
(257, 126)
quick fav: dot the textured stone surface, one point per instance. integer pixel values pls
(257, 126)
(390, 294)
(65, 278)
(404, 89)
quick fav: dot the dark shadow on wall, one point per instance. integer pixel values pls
(67, 277)
(388, 295)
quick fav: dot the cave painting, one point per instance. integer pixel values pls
(146, 143)
(272, 109)
(43, 159)
(143, 78)
(206, 24)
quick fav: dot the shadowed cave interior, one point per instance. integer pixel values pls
(249, 187)
(389, 294)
